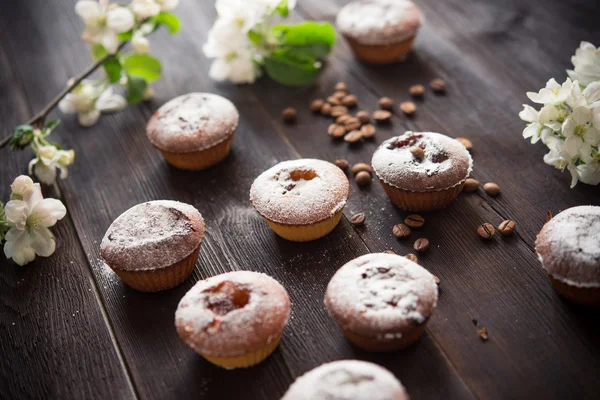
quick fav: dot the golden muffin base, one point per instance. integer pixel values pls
(381, 54)
(374, 344)
(163, 278)
(245, 360)
(422, 201)
(199, 160)
(579, 295)
(305, 233)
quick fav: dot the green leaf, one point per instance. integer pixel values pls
(290, 69)
(50, 125)
(255, 37)
(125, 36)
(169, 20)
(136, 88)
(314, 39)
(112, 66)
(98, 51)
(21, 137)
(283, 9)
(142, 66)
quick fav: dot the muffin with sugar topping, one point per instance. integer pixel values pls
(301, 200)
(422, 171)
(380, 31)
(194, 131)
(568, 247)
(382, 302)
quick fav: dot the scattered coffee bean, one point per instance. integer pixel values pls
(341, 86)
(352, 123)
(334, 101)
(357, 219)
(289, 115)
(421, 245)
(326, 109)
(507, 227)
(336, 111)
(363, 178)
(340, 94)
(368, 131)
(471, 185)
(492, 189)
(315, 105)
(336, 131)
(412, 257)
(465, 142)
(548, 215)
(438, 85)
(401, 231)
(486, 231)
(349, 100)
(414, 221)
(342, 118)
(353, 136)
(436, 279)
(417, 152)
(483, 333)
(408, 107)
(363, 116)
(342, 164)
(386, 103)
(382, 115)
(359, 167)
(416, 90)
(389, 252)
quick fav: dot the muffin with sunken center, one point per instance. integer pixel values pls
(155, 245)
(194, 131)
(568, 247)
(301, 200)
(347, 380)
(422, 171)
(380, 31)
(382, 302)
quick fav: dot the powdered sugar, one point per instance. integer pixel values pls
(379, 22)
(300, 192)
(347, 380)
(445, 164)
(192, 122)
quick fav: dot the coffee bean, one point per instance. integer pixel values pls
(412, 257)
(326, 109)
(389, 252)
(341, 86)
(492, 189)
(358, 167)
(382, 115)
(471, 185)
(342, 118)
(368, 131)
(337, 111)
(353, 136)
(418, 152)
(340, 94)
(349, 100)
(436, 279)
(363, 116)
(334, 101)
(438, 85)
(548, 215)
(401, 231)
(414, 221)
(352, 123)
(315, 105)
(342, 164)
(486, 231)
(408, 107)
(507, 227)
(336, 131)
(363, 178)
(386, 103)
(421, 245)
(357, 219)
(465, 142)
(289, 114)
(416, 90)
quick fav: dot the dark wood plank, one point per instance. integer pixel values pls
(53, 337)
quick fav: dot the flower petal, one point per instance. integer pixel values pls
(89, 118)
(44, 173)
(18, 246)
(16, 212)
(589, 174)
(120, 19)
(21, 184)
(42, 241)
(572, 145)
(528, 114)
(109, 101)
(88, 10)
(581, 115)
(46, 212)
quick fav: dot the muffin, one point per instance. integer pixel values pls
(382, 302)
(422, 171)
(155, 245)
(568, 247)
(301, 200)
(194, 131)
(233, 320)
(379, 31)
(347, 380)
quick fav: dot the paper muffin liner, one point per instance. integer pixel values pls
(305, 233)
(382, 344)
(161, 279)
(245, 360)
(202, 159)
(381, 53)
(422, 201)
(589, 296)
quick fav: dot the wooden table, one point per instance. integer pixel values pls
(69, 329)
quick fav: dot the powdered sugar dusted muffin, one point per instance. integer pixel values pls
(568, 247)
(422, 171)
(234, 320)
(301, 200)
(194, 131)
(155, 245)
(382, 302)
(380, 31)
(347, 380)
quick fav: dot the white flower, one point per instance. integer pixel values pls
(239, 67)
(29, 220)
(89, 99)
(140, 43)
(589, 174)
(580, 133)
(109, 101)
(103, 22)
(21, 185)
(586, 63)
(150, 8)
(224, 37)
(553, 92)
(48, 159)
